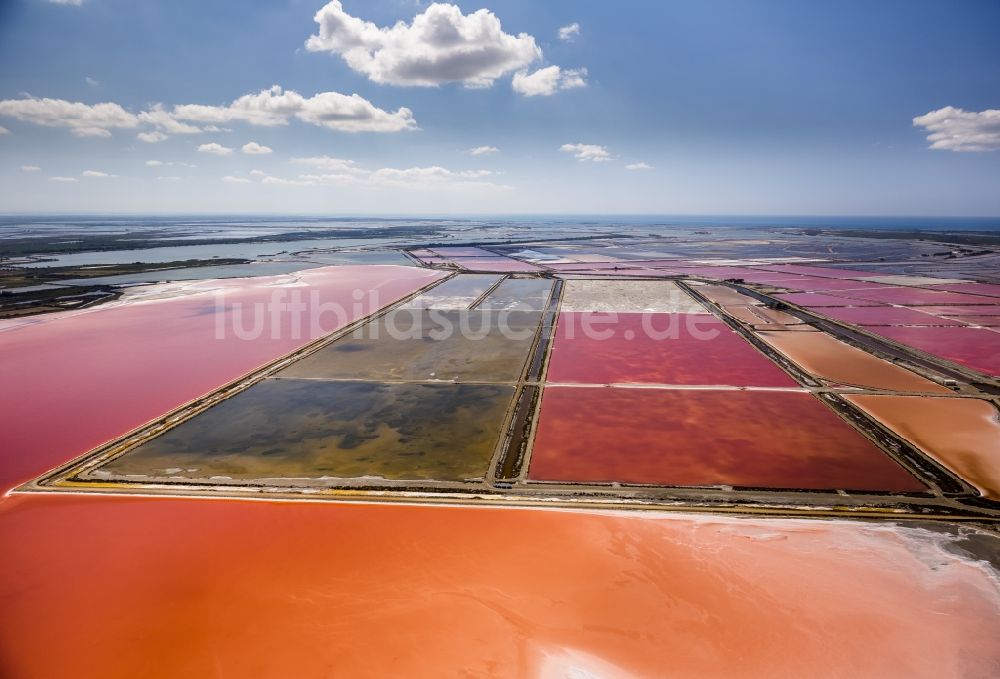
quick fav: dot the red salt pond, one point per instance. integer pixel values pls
(912, 296)
(976, 348)
(76, 380)
(961, 433)
(657, 348)
(989, 289)
(884, 315)
(987, 321)
(813, 284)
(817, 299)
(681, 437)
(817, 271)
(115, 587)
(958, 310)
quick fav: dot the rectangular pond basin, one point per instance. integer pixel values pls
(884, 315)
(818, 299)
(987, 289)
(501, 264)
(460, 251)
(688, 349)
(628, 296)
(985, 321)
(827, 358)
(963, 434)
(976, 348)
(961, 310)
(295, 432)
(458, 292)
(679, 437)
(762, 317)
(913, 296)
(149, 356)
(812, 284)
(723, 296)
(527, 294)
(417, 344)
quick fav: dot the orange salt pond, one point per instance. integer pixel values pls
(825, 357)
(962, 434)
(767, 319)
(115, 587)
(723, 296)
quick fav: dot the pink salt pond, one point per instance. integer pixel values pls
(884, 315)
(122, 365)
(913, 296)
(817, 299)
(976, 348)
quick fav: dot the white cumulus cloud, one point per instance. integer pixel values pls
(549, 80)
(229, 179)
(270, 107)
(331, 171)
(332, 165)
(281, 181)
(433, 175)
(255, 149)
(154, 137)
(587, 152)
(483, 150)
(96, 174)
(30, 168)
(215, 149)
(276, 106)
(955, 129)
(170, 163)
(439, 45)
(83, 120)
(74, 3)
(568, 33)
(639, 166)
(4, 130)
(62, 179)
(166, 122)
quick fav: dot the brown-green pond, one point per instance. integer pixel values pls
(292, 429)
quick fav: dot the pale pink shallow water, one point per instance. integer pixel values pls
(73, 381)
(976, 348)
(153, 587)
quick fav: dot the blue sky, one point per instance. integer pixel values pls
(711, 107)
